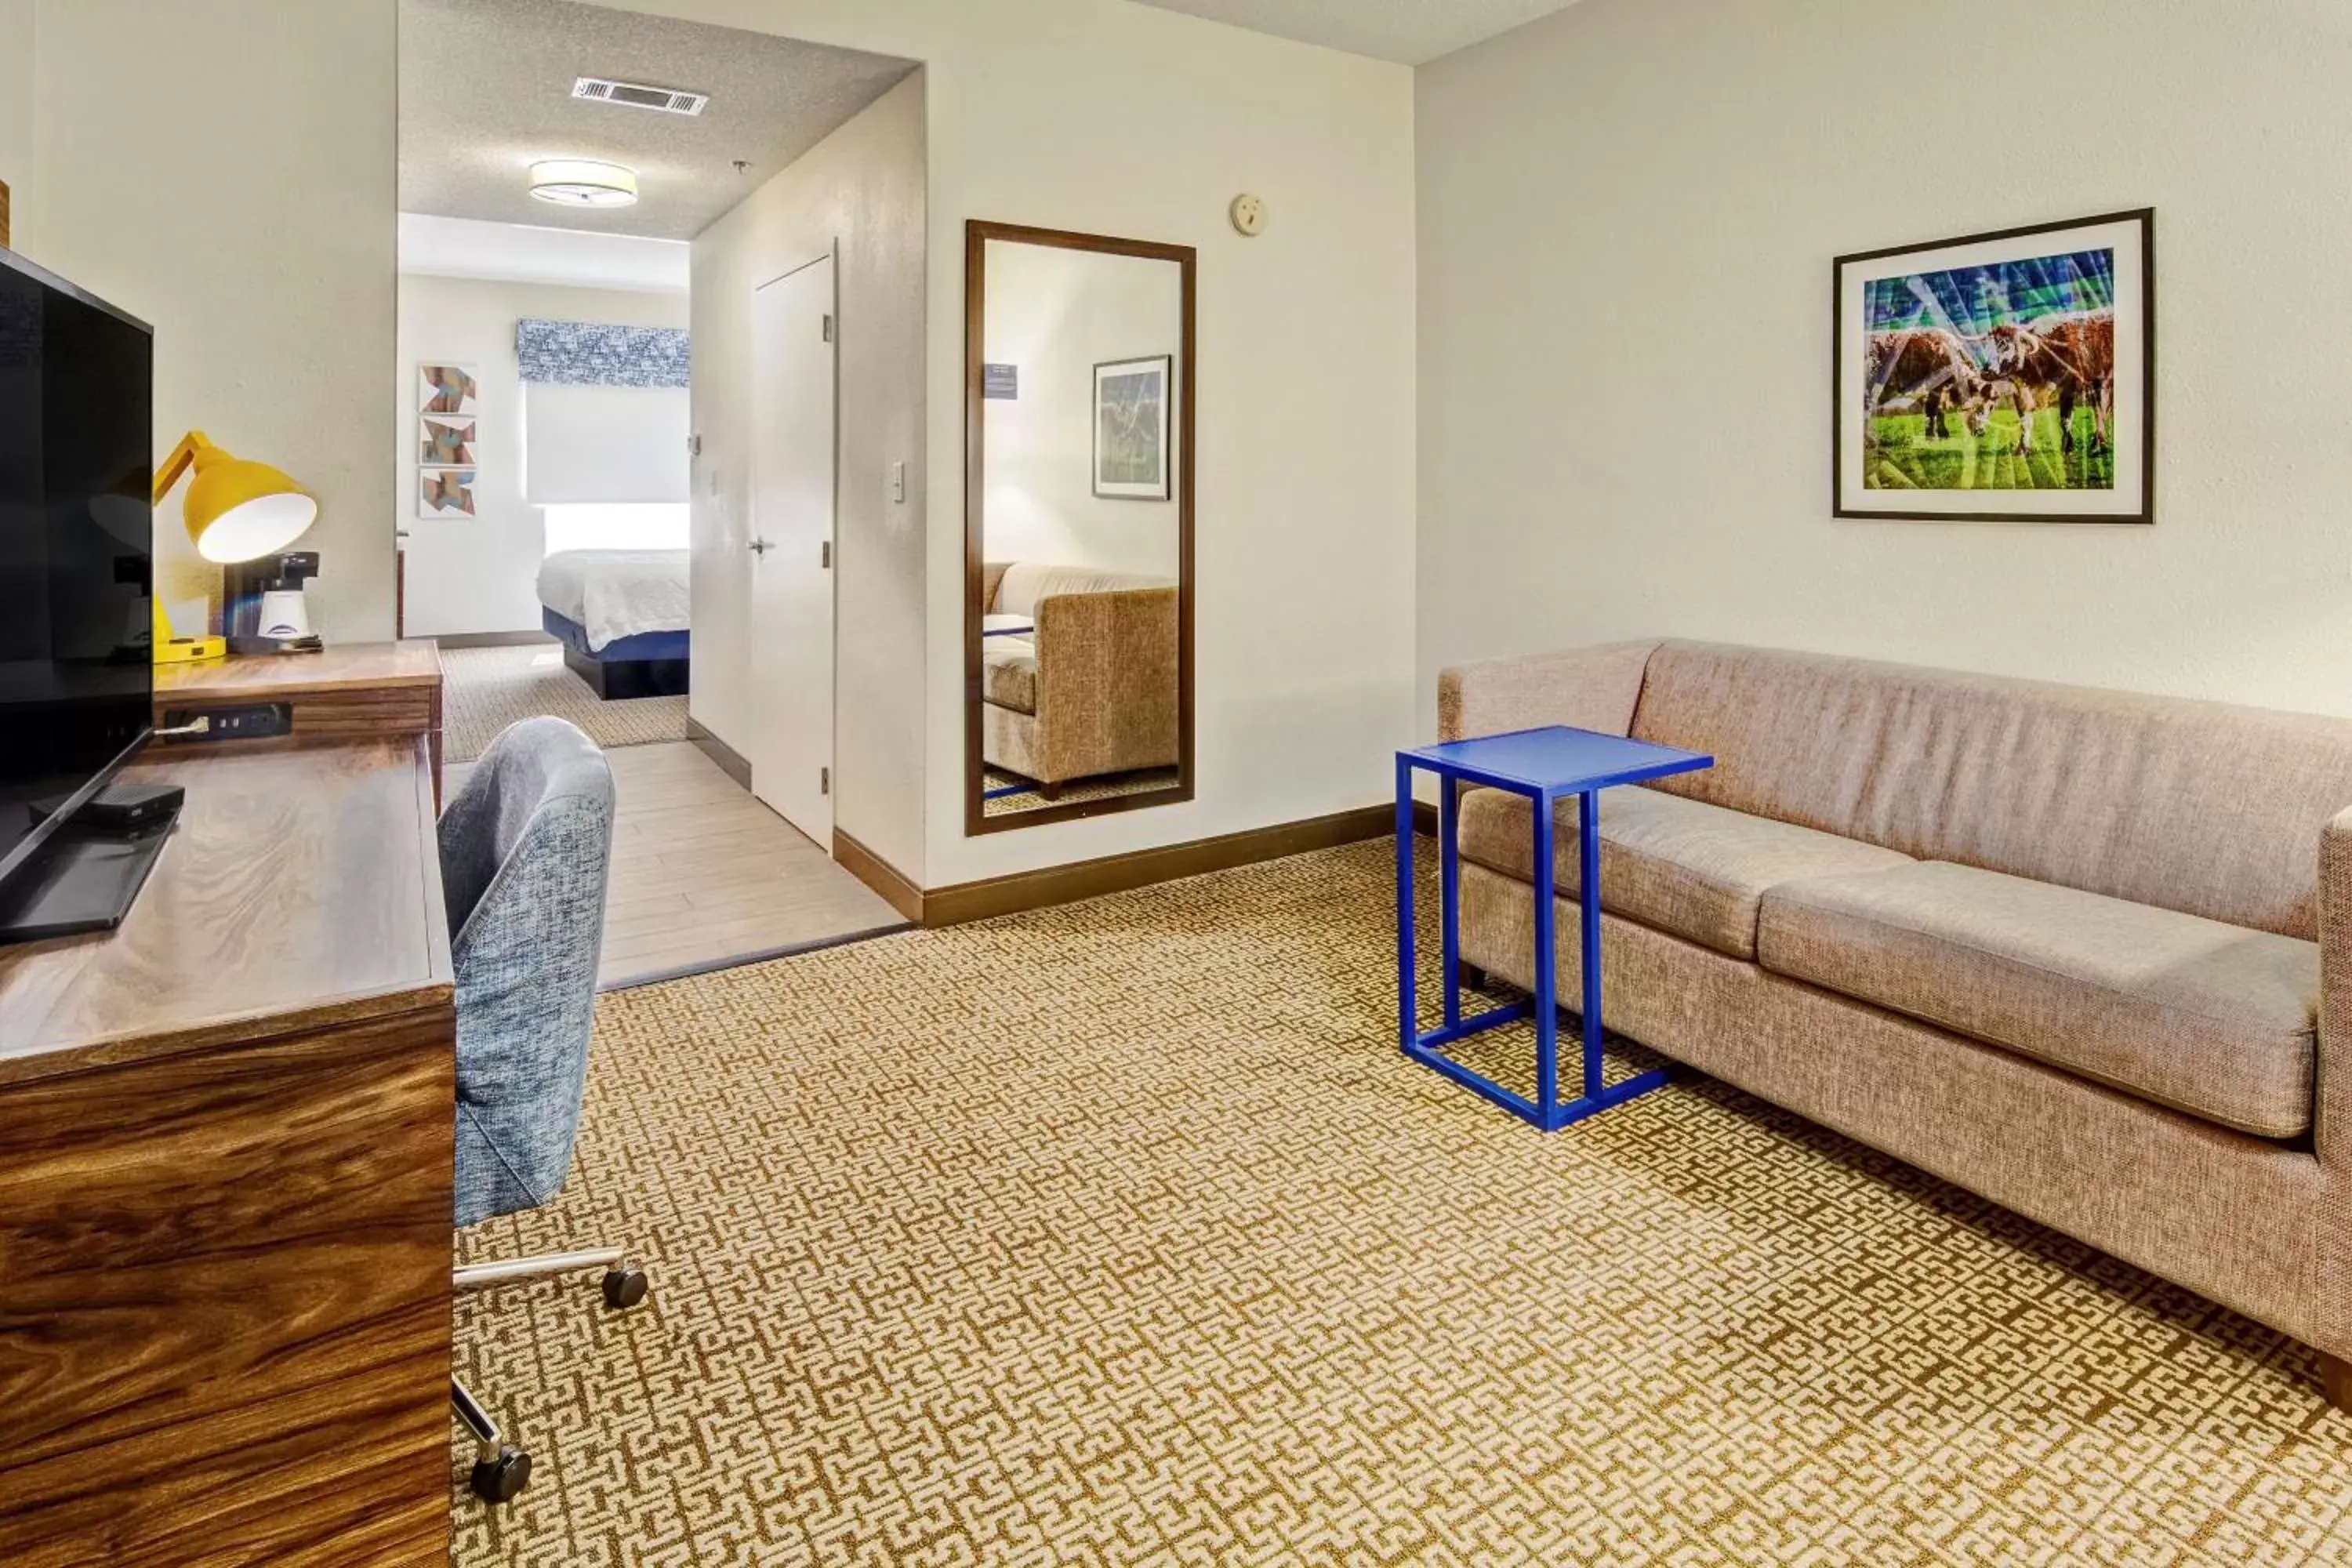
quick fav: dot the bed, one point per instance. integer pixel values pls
(622, 617)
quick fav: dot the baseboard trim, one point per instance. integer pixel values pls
(878, 874)
(1141, 867)
(1051, 885)
(731, 762)
(1425, 818)
(491, 639)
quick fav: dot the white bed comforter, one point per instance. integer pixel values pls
(614, 594)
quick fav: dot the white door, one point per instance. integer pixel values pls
(792, 546)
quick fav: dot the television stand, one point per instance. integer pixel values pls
(83, 880)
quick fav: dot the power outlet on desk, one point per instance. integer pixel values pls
(240, 721)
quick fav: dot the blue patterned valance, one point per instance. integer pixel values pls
(590, 353)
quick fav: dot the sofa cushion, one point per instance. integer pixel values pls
(1008, 674)
(2197, 806)
(1681, 866)
(2211, 1019)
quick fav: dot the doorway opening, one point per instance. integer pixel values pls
(564, 535)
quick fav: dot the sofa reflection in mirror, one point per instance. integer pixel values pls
(1078, 679)
(1079, 526)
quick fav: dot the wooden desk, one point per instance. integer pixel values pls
(349, 692)
(225, 1186)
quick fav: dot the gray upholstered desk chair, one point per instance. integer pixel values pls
(525, 847)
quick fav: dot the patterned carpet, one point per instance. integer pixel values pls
(1098, 788)
(1122, 1233)
(484, 689)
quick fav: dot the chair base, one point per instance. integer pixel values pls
(506, 1270)
(501, 1470)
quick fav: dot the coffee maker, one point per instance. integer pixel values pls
(267, 611)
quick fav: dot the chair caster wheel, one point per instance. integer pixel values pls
(624, 1288)
(502, 1479)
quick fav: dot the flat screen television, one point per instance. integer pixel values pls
(77, 555)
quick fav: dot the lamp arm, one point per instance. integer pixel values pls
(182, 455)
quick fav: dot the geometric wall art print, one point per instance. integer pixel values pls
(448, 389)
(446, 441)
(445, 493)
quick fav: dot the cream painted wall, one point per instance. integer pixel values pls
(1053, 314)
(1120, 119)
(16, 133)
(481, 576)
(860, 189)
(1628, 213)
(225, 170)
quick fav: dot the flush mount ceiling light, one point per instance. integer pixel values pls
(584, 182)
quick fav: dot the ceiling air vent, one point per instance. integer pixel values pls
(636, 95)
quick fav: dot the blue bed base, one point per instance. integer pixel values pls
(620, 650)
(649, 664)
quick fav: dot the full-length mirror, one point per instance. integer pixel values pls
(1078, 517)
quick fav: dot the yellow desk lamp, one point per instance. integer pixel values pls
(235, 510)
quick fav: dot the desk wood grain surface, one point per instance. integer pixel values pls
(303, 885)
(350, 691)
(344, 667)
(225, 1171)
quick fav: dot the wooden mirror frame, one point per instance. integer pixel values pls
(976, 236)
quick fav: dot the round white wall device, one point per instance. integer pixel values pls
(1248, 214)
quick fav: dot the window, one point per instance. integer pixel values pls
(660, 525)
(602, 444)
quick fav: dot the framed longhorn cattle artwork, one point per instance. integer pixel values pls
(2006, 377)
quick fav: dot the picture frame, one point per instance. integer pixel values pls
(1132, 401)
(447, 441)
(445, 494)
(2000, 377)
(447, 389)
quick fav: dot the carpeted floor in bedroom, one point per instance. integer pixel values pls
(1121, 1233)
(484, 689)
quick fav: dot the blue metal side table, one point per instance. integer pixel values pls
(1545, 765)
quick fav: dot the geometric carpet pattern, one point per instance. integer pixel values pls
(1121, 1233)
(484, 689)
(1101, 787)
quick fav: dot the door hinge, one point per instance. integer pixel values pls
(828, 328)
(694, 446)
(824, 555)
(824, 780)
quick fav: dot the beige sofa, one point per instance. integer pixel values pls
(2086, 953)
(1093, 689)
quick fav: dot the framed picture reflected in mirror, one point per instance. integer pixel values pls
(1130, 423)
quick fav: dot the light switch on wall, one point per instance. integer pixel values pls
(898, 482)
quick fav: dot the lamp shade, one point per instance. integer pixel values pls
(237, 509)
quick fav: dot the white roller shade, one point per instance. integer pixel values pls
(603, 444)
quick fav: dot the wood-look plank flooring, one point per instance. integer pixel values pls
(704, 875)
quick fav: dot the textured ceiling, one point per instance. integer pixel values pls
(1411, 32)
(516, 252)
(485, 91)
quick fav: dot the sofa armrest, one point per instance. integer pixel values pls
(2332, 1093)
(1107, 681)
(1590, 687)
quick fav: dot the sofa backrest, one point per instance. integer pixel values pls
(2197, 806)
(1024, 583)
